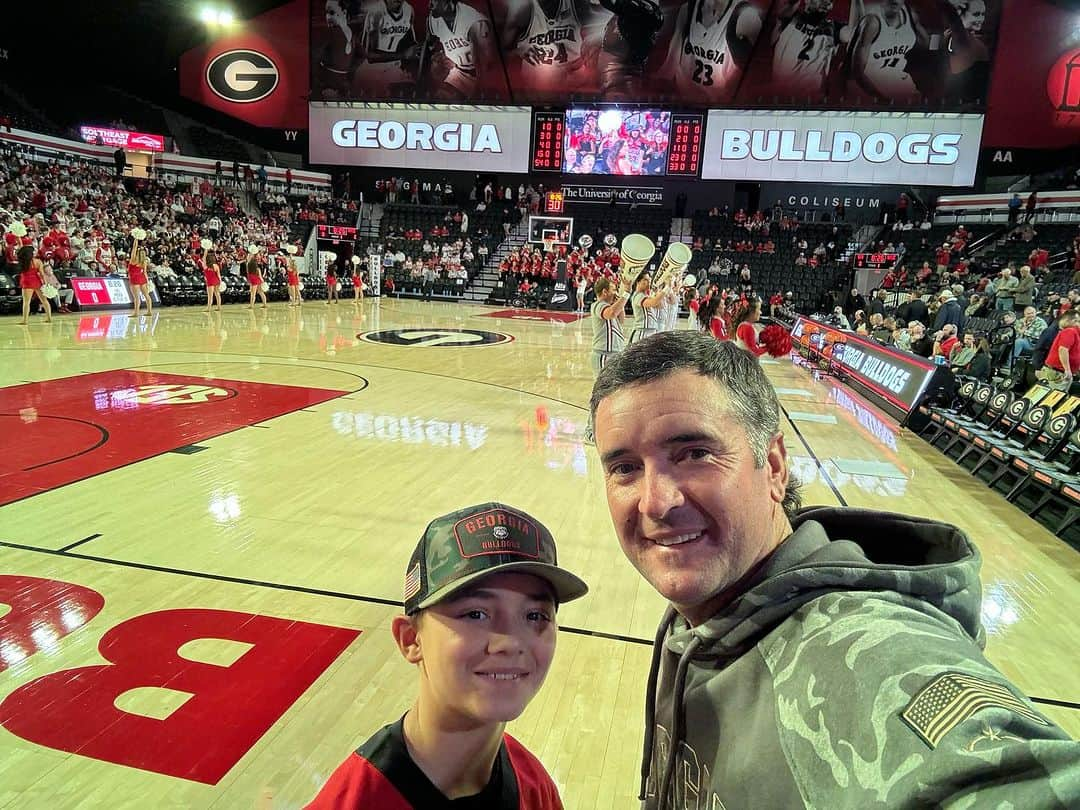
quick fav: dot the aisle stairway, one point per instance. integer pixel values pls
(488, 277)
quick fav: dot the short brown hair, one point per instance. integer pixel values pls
(602, 285)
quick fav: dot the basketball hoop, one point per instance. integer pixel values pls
(549, 244)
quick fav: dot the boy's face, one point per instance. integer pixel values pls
(485, 652)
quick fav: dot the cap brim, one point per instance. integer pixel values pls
(567, 586)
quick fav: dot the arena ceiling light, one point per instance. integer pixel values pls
(217, 16)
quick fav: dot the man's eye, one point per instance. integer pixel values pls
(475, 613)
(626, 468)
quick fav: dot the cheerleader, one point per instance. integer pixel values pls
(140, 284)
(255, 281)
(31, 277)
(212, 276)
(357, 281)
(331, 283)
(746, 336)
(711, 319)
(293, 279)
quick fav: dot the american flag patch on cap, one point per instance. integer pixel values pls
(412, 582)
(952, 698)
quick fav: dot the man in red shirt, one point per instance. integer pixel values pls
(481, 591)
(1063, 359)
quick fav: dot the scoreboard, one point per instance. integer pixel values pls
(875, 261)
(335, 234)
(547, 141)
(686, 138)
(684, 147)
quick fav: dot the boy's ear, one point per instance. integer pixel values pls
(405, 633)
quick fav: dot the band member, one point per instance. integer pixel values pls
(391, 47)
(341, 52)
(31, 277)
(137, 278)
(255, 282)
(710, 47)
(882, 44)
(466, 49)
(549, 39)
(805, 43)
(207, 263)
(645, 307)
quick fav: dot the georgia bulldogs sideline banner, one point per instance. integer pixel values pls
(257, 74)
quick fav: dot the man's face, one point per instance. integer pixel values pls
(692, 512)
(819, 6)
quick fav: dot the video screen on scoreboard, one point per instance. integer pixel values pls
(624, 142)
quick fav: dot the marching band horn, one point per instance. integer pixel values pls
(675, 260)
(635, 253)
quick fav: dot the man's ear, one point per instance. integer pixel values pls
(406, 633)
(777, 464)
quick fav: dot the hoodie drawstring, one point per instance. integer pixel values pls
(650, 697)
(678, 719)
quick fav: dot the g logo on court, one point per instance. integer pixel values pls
(172, 394)
(242, 76)
(458, 338)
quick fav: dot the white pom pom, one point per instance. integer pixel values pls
(291, 250)
(331, 257)
(356, 260)
(252, 249)
(206, 244)
(138, 234)
(18, 229)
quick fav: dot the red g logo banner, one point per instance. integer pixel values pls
(258, 74)
(1063, 84)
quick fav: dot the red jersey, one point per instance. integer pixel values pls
(381, 774)
(1068, 339)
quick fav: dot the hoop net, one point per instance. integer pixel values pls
(549, 244)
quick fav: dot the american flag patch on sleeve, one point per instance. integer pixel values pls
(952, 698)
(412, 582)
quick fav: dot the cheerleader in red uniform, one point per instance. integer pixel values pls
(746, 336)
(31, 277)
(140, 284)
(212, 276)
(255, 281)
(331, 282)
(357, 281)
(293, 279)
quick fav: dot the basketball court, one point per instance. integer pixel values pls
(204, 523)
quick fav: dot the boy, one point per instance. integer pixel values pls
(481, 591)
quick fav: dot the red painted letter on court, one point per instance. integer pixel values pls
(229, 709)
(42, 612)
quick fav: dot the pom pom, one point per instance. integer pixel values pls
(206, 244)
(252, 249)
(138, 234)
(18, 229)
(776, 340)
(331, 256)
(291, 250)
(356, 260)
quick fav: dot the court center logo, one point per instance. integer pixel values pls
(172, 394)
(459, 338)
(242, 76)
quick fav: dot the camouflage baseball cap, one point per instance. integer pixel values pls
(469, 544)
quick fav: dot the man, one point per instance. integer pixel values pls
(1024, 292)
(877, 303)
(914, 309)
(1028, 330)
(1014, 208)
(1005, 290)
(646, 309)
(949, 312)
(854, 303)
(826, 657)
(945, 341)
(1063, 359)
(919, 343)
(607, 314)
(547, 37)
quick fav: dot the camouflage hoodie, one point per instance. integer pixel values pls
(849, 674)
